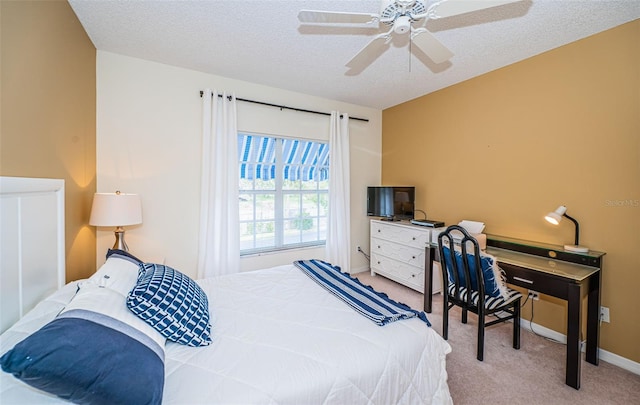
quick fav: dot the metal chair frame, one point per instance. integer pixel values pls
(456, 298)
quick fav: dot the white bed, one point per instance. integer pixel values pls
(277, 338)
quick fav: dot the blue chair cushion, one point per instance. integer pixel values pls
(494, 285)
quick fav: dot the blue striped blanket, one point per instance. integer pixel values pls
(373, 305)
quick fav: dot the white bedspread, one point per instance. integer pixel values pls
(279, 338)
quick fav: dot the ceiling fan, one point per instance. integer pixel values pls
(403, 17)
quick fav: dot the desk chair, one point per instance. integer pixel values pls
(475, 284)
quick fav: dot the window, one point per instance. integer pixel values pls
(284, 193)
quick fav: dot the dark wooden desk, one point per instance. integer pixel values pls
(551, 270)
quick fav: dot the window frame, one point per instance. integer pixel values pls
(279, 192)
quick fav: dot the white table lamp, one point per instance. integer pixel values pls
(116, 209)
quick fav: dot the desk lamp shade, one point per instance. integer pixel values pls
(402, 196)
(555, 217)
(116, 209)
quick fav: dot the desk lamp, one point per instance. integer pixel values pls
(116, 209)
(555, 218)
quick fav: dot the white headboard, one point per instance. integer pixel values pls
(32, 246)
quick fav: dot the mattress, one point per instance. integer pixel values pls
(279, 338)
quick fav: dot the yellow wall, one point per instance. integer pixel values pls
(49, 112)
(507, 147)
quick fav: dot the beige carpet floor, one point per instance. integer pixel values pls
(535, 374)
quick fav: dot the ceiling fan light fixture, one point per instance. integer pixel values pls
(400, 15)
(402, 25)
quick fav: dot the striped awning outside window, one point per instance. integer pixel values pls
(302, 160)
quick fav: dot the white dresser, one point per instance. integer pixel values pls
(398, 253)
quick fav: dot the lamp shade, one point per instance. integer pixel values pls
(402, 196)
(556, 216)
(116, 209)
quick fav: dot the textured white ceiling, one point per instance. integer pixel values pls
(261, 41)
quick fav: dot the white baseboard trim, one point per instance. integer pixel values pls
(604, 355)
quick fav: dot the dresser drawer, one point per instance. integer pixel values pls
(406, 254)
(403, 234)
(403, 273)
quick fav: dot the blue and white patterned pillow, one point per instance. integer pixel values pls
(172, 303)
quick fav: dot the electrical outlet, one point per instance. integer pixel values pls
(534, 295)
(604, 314)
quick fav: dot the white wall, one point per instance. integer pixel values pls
(149, 143)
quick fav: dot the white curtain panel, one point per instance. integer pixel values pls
(338, 248)
(219, 244)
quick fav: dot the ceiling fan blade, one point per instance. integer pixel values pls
(430, 45)
(370, 52)
(448, 8)
(324, 17)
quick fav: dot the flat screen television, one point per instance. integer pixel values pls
(391, 202)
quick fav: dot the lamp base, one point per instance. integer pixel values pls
(576, 248)
(120, 243)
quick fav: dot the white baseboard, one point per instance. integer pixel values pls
(604, 355)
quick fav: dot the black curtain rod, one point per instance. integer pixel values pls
(286, 108)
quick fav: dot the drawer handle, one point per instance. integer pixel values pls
(414, 238)
(524, 280)
(378, 246)
(378, 230)
(413, 257)
(378, 261)
(413, 275)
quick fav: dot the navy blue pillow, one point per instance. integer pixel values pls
(172, 303)
(122, 254)
(87, 363)
(492, 281)
(94, 352)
